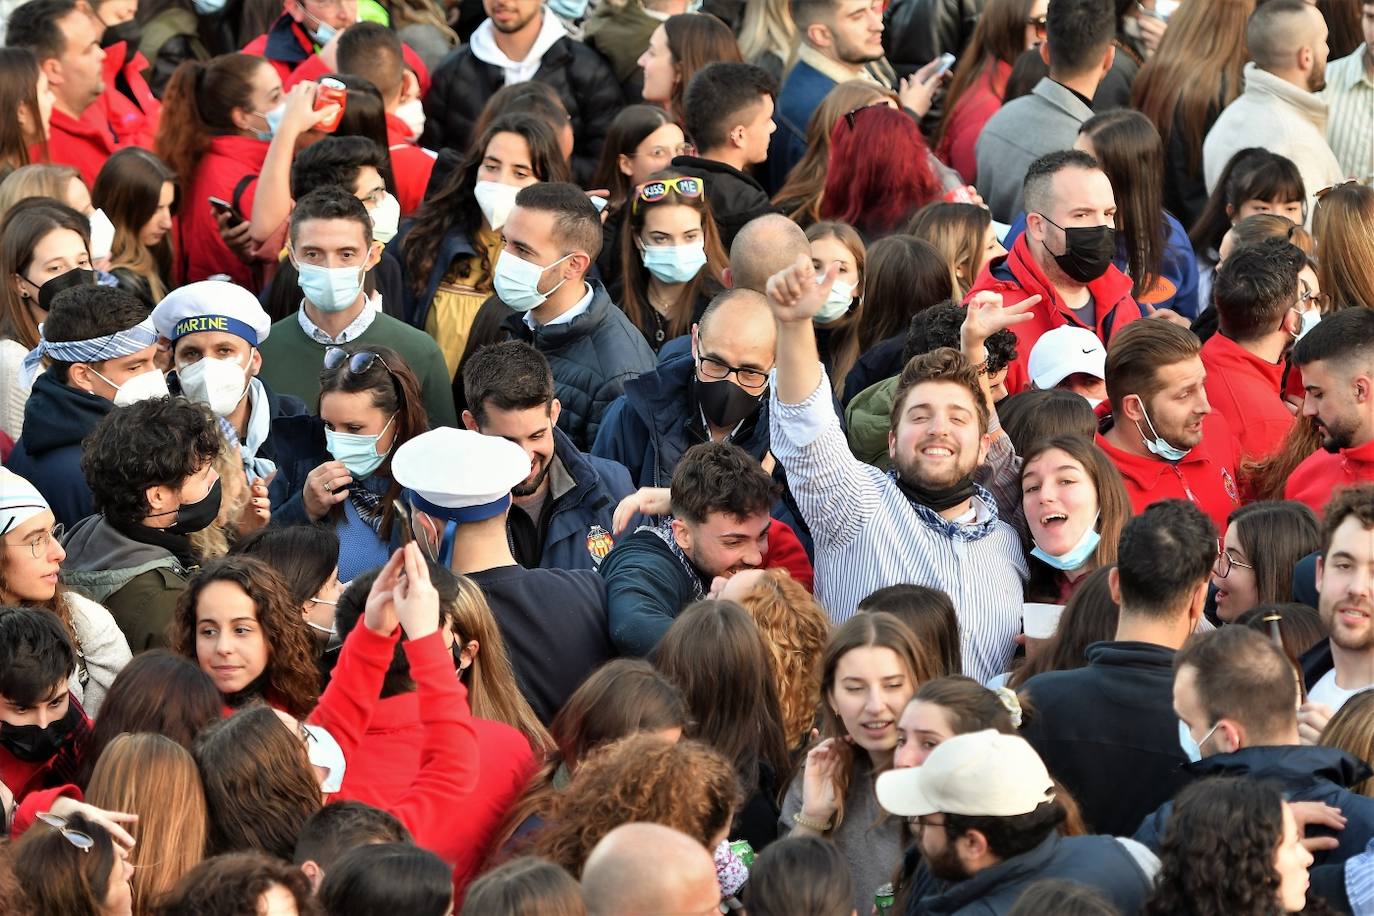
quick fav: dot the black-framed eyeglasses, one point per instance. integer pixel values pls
(39, 543)
(358, 362)
(717, 371)
(1225, 560)
(921, 823)
(81, 841)
(1040, 24)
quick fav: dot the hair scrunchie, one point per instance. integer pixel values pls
(1012, 702)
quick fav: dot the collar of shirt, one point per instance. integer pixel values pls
(371, 309)
(582, 305)
(561, 483)
(830, 68)
(1348, 72)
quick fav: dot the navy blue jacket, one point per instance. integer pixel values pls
(455, 245)
(48, 454)
(802, 91)
(1302, 774)
(572, 540)
(1115, 715)
(1099, 862)
(592, 357)
(647, 586)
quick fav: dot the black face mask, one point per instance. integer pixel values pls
(37, 743)
(130, 32)
(940, 498)
(1088, 250)
(76, 277)
(196, 516)
(724, 403)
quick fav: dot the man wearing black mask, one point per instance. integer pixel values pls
(1064, 256)
(149, 469)
(715, 394)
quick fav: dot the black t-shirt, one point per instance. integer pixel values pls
(554, 625)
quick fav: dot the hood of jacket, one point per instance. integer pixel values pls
(1268, 89)
(101, 559)
(664, 402)
(59, 415)
(869, 419)
(483, 47)
(1293, 767)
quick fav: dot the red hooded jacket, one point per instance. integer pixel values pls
(1246, 391)
(1314, 481)
(1016, 276)
(228, 170)
(410, 163)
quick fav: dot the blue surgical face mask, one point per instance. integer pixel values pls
(839, 300)
(571, 10)
(674, 263)
(273, 119)
(1077, 555)
(516, 281)
(330, 289)
(1310, 318)
(322, 32)
(1192, 749)
(357, 452)
(1158, 445)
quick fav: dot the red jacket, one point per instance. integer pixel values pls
(785, 551)
(289, 48)
(1016, 276)
(411, 165)
(1206, 475)
(1314, 481)
(37, 785)
(230, 165)
(973, 109)
(1245, 390)
(133, 118)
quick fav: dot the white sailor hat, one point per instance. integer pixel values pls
(459, 475)
(19, 500)
(212, 305)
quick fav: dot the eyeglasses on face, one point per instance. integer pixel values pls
(39, 542)
(1225, 560)
(717, 371)
(1040, 24)
(668, 152)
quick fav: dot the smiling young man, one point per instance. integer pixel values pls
(1337, 362)
(99, 344)
(926, 522)
(564, 510)
(1165, 438)
(719, 526)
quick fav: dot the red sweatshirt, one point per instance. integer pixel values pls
(1314, 481)
(1016, 276)
(1206, 475)
(785, 551)
(1245, 390)
(411, 164)
(291, 51)
(133, 119)
(232, 163)
(442, 750)
(37, 785)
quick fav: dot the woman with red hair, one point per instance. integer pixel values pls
(879, 172)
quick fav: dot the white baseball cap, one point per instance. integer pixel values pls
(981, 774)
(1063, 352)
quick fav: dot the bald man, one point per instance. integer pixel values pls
(715, 393)
(764, 246)
(648, 869)
(1279, 109)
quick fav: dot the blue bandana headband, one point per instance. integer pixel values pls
(93, 350)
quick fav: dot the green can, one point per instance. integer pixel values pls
(884, 898)
(744, 852)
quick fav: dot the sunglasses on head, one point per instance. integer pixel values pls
(851, 116)
(651, 192)
(358, 362)
(81, 841)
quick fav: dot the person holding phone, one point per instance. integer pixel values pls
(229, 130)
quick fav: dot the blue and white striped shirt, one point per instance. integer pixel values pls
(868, 535)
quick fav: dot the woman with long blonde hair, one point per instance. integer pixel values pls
(795, 629)
(156, 778)
(483, 664)
(799, 198)
(768, 35)
(1343, 225)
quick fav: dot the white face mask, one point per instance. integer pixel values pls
(413, 113)
(837, 303)
(102, 235)
(386, 218)
(219, 384)
(326, 754)
(496, 200)
(141, 387)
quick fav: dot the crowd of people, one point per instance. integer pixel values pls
(633, 457)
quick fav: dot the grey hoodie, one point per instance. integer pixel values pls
(101, 560)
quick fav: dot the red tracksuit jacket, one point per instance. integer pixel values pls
(1314, 481)
(1245, 390)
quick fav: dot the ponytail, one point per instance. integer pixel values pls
(198, 105)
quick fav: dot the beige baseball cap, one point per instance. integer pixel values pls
(981, 774)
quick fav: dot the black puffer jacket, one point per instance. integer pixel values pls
(592, 357)
(918, 31)
(462, 84)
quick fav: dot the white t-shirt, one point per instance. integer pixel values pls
(1325, 691)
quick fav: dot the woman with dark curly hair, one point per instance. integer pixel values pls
(686, 786)
(236, 619)
(242, 882)
(1232, 848)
